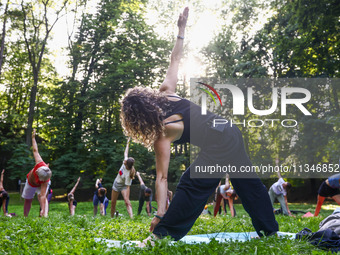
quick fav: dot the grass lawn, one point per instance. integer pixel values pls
(62, 234)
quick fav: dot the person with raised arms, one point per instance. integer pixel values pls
(279, 191)
(157, 118)
(72, 203)
(226, 195)
(123, 182)
(100, 198)
(37, 181)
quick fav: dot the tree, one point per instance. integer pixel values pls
(297, 41)
(36, 32)
(113, 50)
(3, 36)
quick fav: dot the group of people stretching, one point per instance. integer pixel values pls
(38, 182)
(121, 184)
(157, 118)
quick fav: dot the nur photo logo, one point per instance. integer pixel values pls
(278, 101)
(204, 98)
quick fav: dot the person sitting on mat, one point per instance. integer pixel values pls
(37, 182)
(72, 203)
(279, 191)
(329, 188)
(157, 118)
(4, 197)
(145, 195)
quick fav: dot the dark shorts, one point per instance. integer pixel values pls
(75, 203)
(326, 191)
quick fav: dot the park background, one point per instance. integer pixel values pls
(64, 66)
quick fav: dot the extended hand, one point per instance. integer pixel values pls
(183, 17)
(33, 133)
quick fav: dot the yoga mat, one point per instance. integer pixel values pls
(202, 238)
(228, 236)
(117, 243)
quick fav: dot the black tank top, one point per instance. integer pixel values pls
(195, 124)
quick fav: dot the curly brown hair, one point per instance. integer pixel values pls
(142, 113)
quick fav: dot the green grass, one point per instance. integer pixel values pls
(62, 234)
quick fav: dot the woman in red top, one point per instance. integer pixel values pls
(37, 182)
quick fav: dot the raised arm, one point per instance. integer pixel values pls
(126, 152)
(279, 174)
(2, 179)
(97, 183)
(170, 81)
(227, 184)
(36, 154)
(75, 186)
(140, 179)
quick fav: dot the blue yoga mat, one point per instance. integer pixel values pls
(227, 236)
(202, 238)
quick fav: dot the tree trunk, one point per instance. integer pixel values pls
(31, 110)
(335, 96)
(35, 56)
(2, 47)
